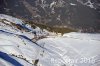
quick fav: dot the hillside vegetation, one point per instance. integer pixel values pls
(52, 29)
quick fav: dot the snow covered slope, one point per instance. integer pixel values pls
(17, 40)
(18, 46)
(73, 49)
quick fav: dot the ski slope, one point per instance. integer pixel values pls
(72, 48)
(17, 47)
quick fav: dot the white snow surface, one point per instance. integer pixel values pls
(11, 19)
(71, 49)
(72, 4)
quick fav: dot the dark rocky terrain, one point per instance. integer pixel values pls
(78, 14)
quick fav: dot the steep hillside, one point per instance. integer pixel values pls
(79, 14)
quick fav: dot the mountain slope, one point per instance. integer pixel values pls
(17, 39)
(80, 14)
(22, 44)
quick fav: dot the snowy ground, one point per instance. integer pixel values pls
(72, 49)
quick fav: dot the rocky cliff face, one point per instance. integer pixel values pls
(80, 14)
